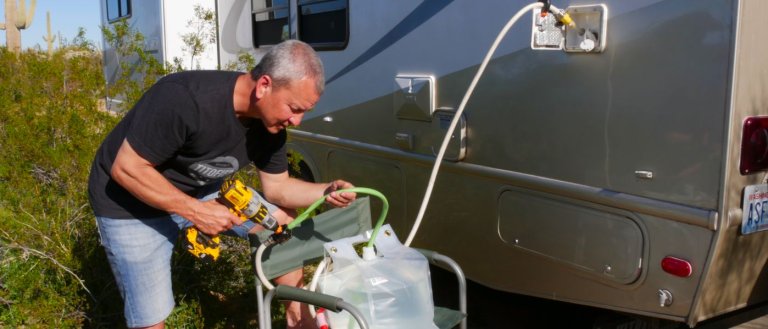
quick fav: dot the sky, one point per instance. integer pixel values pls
(66, 17)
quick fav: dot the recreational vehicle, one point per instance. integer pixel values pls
(619, 163)
(163, 24)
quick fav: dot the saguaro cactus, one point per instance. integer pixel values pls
(16, 18)
(50, 37)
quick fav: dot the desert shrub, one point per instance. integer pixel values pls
(50, 125)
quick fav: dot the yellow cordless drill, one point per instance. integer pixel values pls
(241, 201)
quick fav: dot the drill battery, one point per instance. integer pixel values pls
(200, 245)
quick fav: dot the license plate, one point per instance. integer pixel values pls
(755, 209)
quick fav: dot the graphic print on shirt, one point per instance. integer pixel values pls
(209, 170)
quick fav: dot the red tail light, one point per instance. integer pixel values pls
(676, 266)
(754, 145)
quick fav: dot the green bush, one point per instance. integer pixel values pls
(50, 126)
(138, 69)
(53, 271)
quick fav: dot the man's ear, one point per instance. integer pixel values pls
(263, 85)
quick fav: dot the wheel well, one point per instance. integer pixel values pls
(301, 170)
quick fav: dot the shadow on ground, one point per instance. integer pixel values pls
(491, 309)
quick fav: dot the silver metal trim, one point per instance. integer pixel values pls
(680, 213)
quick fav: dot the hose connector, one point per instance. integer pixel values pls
(282, 234)
(562, 16)
(545, 8)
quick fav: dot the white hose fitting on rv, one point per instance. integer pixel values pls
(561, 16)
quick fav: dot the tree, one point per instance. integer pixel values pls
(138, 70)
(202, 34)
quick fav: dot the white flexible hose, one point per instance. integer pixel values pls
(269, 286)
(318, 271)
(265, 282)
(454, 122)
(313, 284)
(260, 270)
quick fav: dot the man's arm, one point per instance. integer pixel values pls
(139, 177)
(290, 192)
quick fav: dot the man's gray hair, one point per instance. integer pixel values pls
(288, 61)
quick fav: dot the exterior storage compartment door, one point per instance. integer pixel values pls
(604, 242)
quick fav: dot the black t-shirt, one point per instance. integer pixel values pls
(186, 126)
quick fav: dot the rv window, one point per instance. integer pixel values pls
(270, 22)
(324, 24)
(117, 9)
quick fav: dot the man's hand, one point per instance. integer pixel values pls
(212, 218)
(342, 199)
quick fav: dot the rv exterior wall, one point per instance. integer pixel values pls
(235, 32)
(581, 172)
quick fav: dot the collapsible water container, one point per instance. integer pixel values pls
(391, 288)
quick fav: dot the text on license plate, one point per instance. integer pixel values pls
(755, 209)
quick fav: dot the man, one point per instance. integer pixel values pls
(152, 173)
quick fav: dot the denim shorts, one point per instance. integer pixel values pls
(139, 252)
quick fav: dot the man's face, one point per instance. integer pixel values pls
(285, 106)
